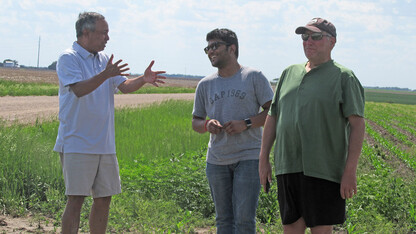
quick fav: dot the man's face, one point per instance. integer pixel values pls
(98, 39)
(218, 53)
(316, 50)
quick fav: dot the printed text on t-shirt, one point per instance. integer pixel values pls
(226, 94)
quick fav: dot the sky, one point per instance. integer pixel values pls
(376, 39)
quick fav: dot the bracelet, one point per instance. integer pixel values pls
(205, 125)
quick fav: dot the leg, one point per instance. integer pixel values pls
(246, 192)
(220, 180)
(327, 229)
(99, 214)
(71, 216)
(297, 227)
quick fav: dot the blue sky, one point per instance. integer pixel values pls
(376, 39)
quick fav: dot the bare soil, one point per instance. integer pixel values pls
(32, 224)
(28, 224)
(29, 109)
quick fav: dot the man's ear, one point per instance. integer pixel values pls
(333, 41)
(85, 32)
(232, 48)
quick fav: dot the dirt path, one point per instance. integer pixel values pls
(27, 224)
(31, 224)
(31, 108)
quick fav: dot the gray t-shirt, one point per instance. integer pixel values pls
(233, 98)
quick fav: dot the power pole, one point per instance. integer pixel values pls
(38, 51)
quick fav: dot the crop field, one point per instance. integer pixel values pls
(50, 77)
(162, 168)
(378, 95)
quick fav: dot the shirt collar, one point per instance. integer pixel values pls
(83, 52)
(328, 63)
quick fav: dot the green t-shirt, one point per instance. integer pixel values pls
(312, 112)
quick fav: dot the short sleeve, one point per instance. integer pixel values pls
(68, 70)
(199, 102)
(263, 89)
(353, 99)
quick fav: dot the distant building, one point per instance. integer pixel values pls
(10, 63)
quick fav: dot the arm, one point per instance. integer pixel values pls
(349, 177)
(269, 135)
(151, 77)
(238, 126)
(85, 87)
(201, 125)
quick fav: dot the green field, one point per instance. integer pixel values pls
(162, 166)
(388, 96)
(12, 88)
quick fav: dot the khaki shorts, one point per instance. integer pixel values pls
(94, 175)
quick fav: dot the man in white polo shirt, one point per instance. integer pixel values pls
(88, 79)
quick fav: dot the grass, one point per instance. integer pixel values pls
(12, 88)
(162, 166)
(164, 89)
(401, 97)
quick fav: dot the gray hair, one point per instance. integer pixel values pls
(86, 20)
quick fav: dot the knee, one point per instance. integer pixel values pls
(74, 204)
(244, 216)
(75, 200)
(102, 201)
(298, 226)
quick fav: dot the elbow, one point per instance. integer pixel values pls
(196, 127)
(76, 90)
(77, 93)
(124, 91)
(123, 88)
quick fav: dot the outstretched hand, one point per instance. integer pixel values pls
(116, 69)
(152, 77)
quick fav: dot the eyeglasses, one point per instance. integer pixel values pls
(315, 36)
(214, 46)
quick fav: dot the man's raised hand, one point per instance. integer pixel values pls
(116, 69)
(153, 77)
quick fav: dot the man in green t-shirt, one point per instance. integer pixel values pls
(317, 122)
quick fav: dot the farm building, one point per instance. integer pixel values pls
(10, 63)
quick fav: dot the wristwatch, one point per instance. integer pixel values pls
(248, 123)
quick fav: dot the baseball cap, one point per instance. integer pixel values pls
(318, 25)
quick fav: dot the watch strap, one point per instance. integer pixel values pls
(248, 123)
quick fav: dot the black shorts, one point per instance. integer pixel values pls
(318, 201)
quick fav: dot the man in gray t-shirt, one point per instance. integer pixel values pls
(232, 99)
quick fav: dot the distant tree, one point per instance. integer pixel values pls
(275, 81)
(52, 66)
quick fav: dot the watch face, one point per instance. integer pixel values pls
(248, 122)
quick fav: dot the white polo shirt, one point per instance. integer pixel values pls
(86, 123)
